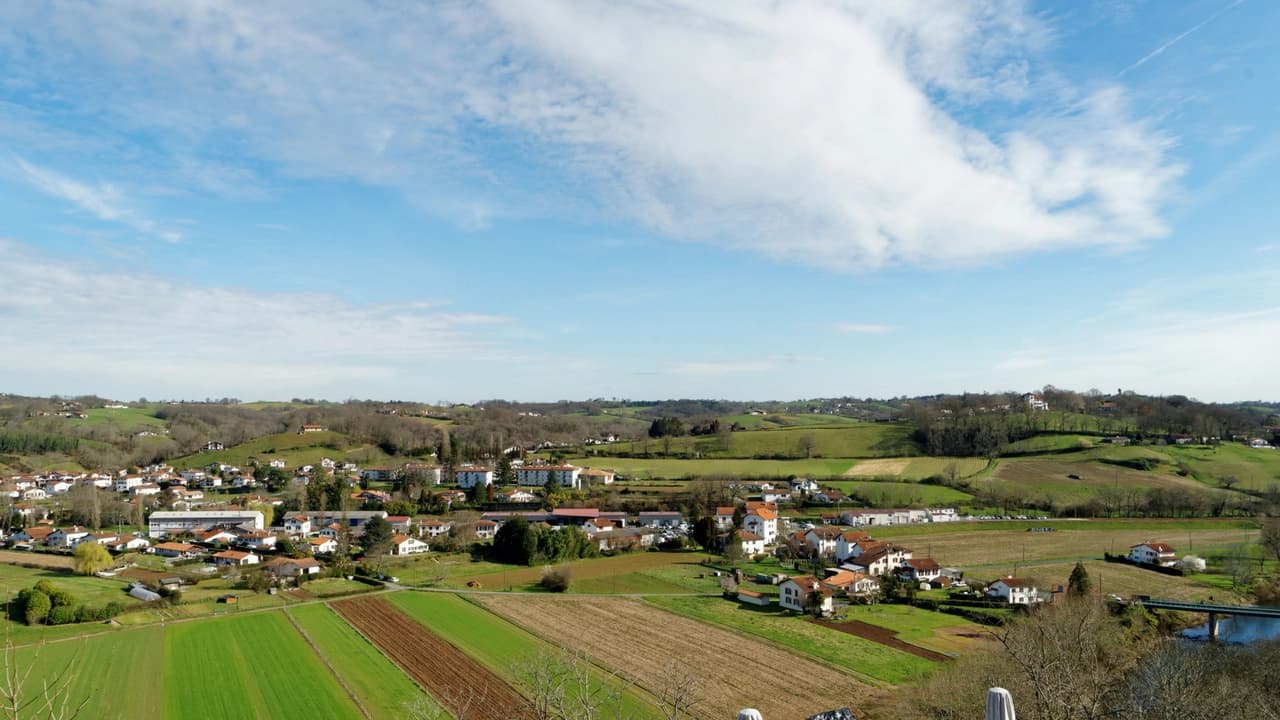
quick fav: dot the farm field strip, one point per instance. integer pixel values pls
(987, 547)
(874, 661)
(254, 665)
(459, 682)
(383, 688)
(640, 641)
(125, 663)
(496, 642)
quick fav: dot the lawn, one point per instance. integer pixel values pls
(250, 666)
(860, 657)
(675, 579)
(384, 690)
(490, 639)
(116, 672)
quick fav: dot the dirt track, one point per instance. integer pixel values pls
(884, 636)
(465, 687)
(640, 641)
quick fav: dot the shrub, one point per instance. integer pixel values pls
(556, 579)
(37, 607)
(62, 615)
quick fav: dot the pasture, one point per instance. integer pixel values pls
(900, 494)
(250, 666)
(1049, 480)
(458, 570)
(294, 448)
(736, 669)
(841, 438)
(917, 468)
(677, 469)
(948, 634)
(998, 546)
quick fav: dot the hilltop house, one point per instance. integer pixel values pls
(1153, 553)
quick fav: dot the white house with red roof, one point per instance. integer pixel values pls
(1015, 591)
(751, 543)
(1154, 553)
(763, 522)
(921, 569)
(799, 594)
(405, 545)
(724, 517)
(322, 545)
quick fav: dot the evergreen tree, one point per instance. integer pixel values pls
(1079, 584)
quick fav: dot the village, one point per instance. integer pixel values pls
(835, 556)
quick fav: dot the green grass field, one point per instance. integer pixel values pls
(891, 494)
(384, 690)
(647, 468)
(490, 639)
(860, 657)
(294, 448)
(131, 418)
(1255, 469)
(825, 437)
(118, 673)
(250, 666)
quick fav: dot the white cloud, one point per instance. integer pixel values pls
(862, 328)
(162, 336)
(103, 201)
(815, 133)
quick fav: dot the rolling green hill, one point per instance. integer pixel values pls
(294, 448)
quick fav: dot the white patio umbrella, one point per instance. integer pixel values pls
(1000, 705)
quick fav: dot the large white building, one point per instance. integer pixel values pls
(171, 522)
(469, 476)
(568, 476)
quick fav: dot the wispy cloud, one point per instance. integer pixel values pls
(103, 201)
(199, 338)
(1176, 39)
(626, 110)
(862, 328)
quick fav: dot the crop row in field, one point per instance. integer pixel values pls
(499, 644)
(648, 644)
(464, 686)
(384, 691)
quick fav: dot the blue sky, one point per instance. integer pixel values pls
(551, 199)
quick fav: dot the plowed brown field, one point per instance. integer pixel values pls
(639, 641)
(463, 686)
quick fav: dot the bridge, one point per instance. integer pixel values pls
(1213, 610)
